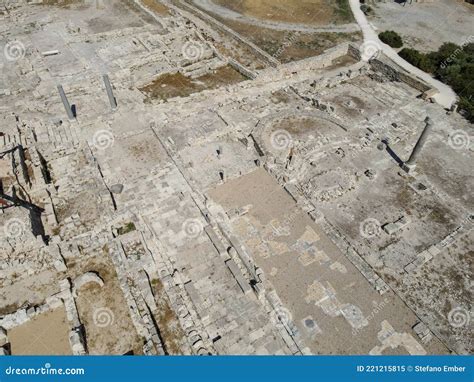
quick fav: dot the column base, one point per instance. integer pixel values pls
(408, 168)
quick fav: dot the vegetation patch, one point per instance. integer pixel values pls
(167, 321)
(129, 227)
(391, 38)
(291, 46)
(63, 3)
(366, 9)
(174, 85)
(453, 65)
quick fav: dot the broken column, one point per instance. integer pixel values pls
(411, 162)
(66, 104)
(110, 93)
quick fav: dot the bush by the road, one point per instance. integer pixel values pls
(453, 65)
(391, 38)
(417, 59)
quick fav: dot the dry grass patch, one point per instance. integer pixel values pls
(315, 12)
(156, 7)
(290, 46)
(168, 324)
(178, 85)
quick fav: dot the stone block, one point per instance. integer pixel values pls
(234, 269)
(434, 251)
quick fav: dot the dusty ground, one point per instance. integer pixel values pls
(425, 26)
(46, 334)
(319, 12)
(103, 15)
(63, 3)
(104, 311)
(28, 291)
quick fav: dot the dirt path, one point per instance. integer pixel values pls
(210, 6)
(446, 96)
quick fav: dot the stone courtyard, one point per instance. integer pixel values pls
(168, 187)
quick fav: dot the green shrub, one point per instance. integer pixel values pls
(453, 65)
(129, 227)
(417, 59)
(366, 9)
(391, 38)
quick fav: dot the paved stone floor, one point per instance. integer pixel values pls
(209, 215)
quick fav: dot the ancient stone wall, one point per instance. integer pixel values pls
(223, 28)
(395, 73)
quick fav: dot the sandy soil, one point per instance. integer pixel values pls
(105, 15)
(312, 26)
(46, 334)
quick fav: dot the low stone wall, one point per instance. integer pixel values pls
(242, 69)
(62, 299)
(321, 61)
(394, 72)
(223, 28)
(354, 52)
(288, 70)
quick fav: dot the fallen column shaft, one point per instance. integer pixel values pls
(110, 93)
(66, 104)
(420, 143)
